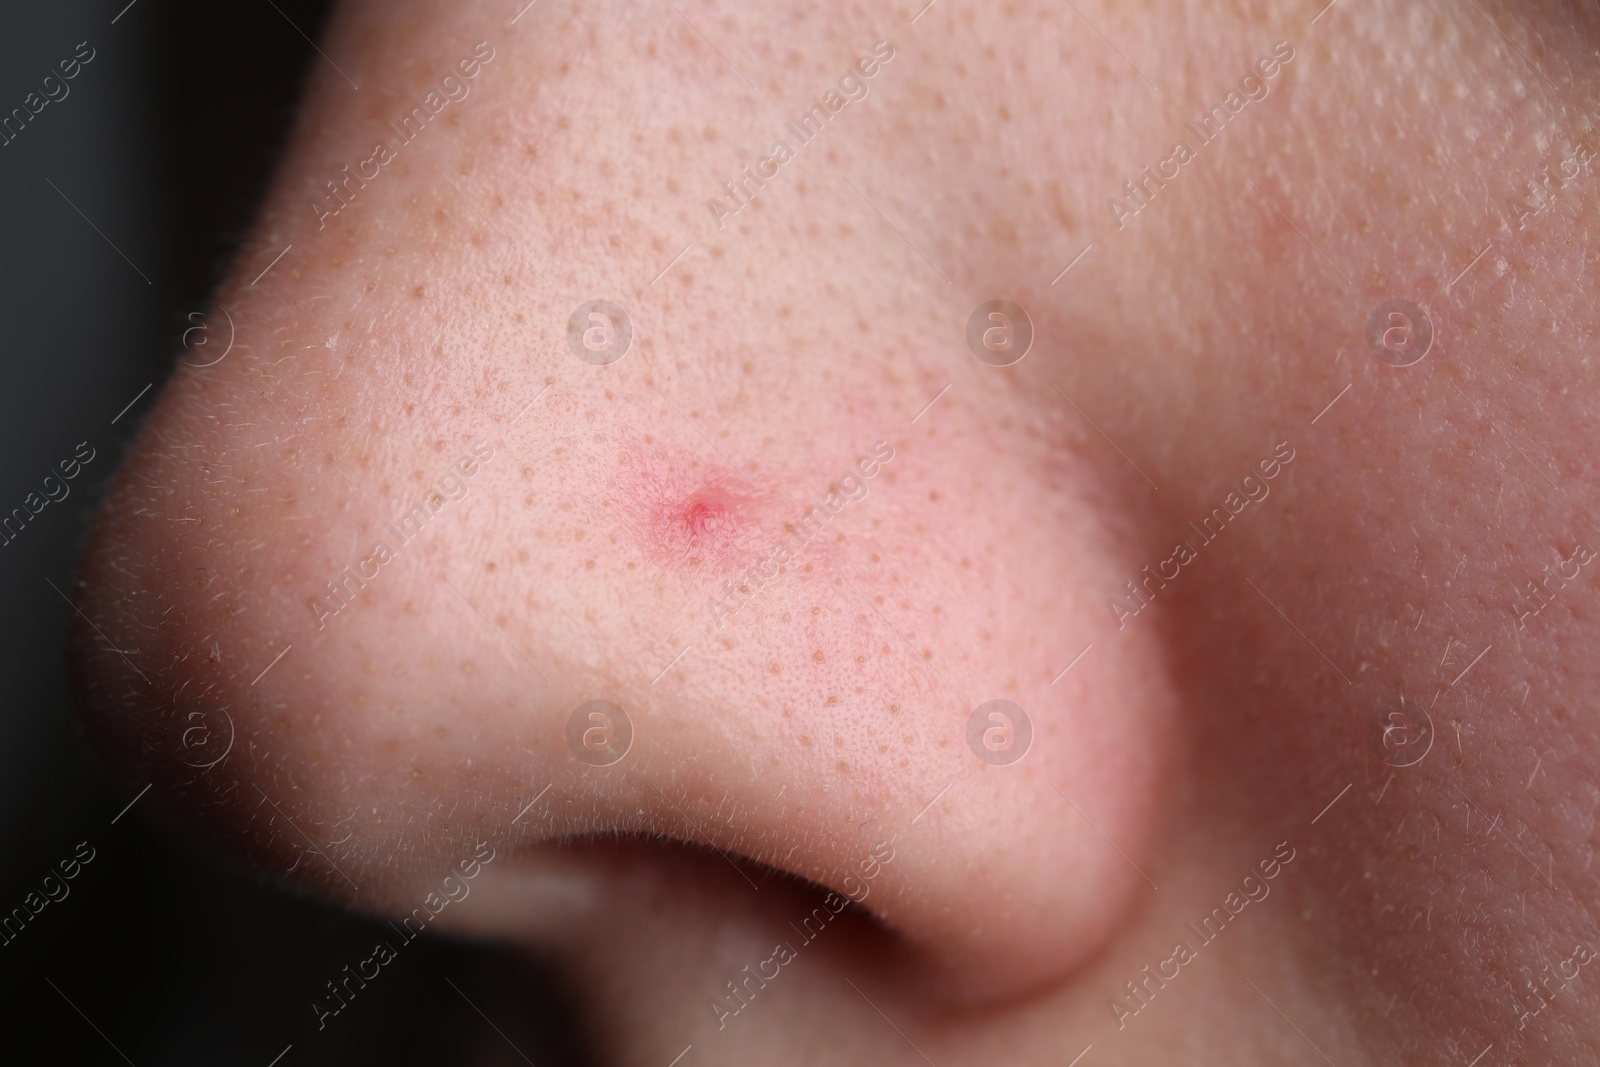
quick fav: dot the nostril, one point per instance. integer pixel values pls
(607, 880)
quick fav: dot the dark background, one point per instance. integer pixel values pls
(163, 954)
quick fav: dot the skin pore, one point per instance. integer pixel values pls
(558, 529)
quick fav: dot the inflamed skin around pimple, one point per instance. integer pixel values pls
(762, 569)
(714, 524)
(683, 516)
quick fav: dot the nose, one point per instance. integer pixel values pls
(353, 684)
(407, 574)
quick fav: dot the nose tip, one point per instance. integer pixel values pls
(496, 677)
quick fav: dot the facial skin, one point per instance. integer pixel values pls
(1219, 741)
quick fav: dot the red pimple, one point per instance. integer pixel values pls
(700, 517)
(685, 517)
(705, 525)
